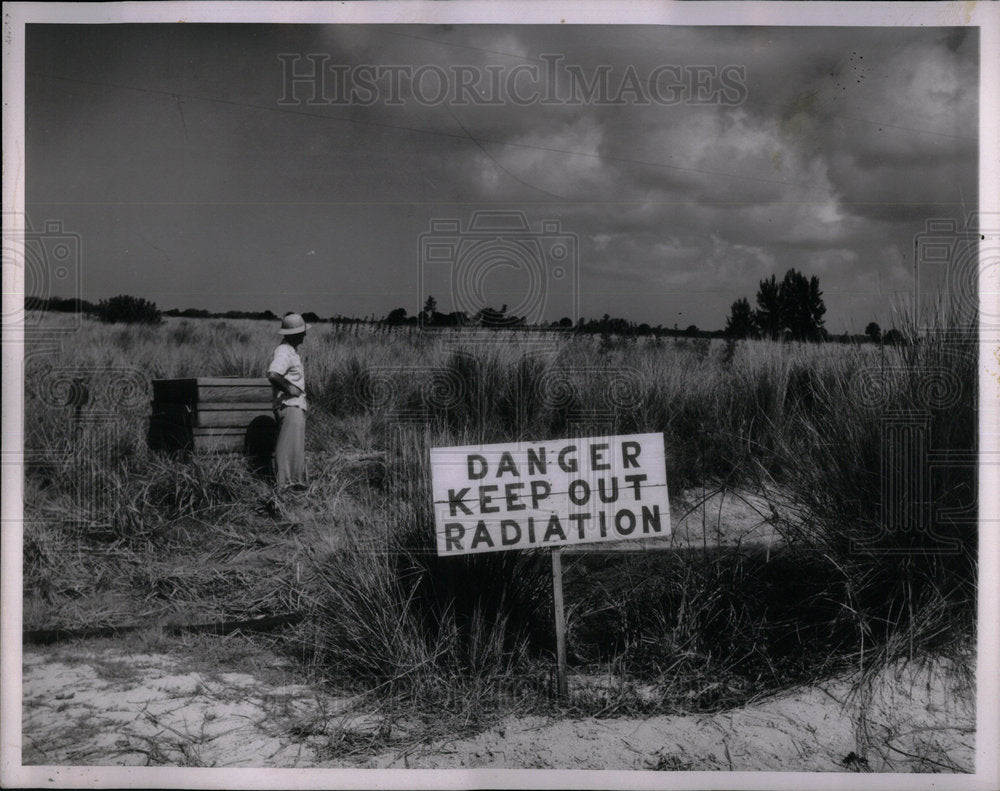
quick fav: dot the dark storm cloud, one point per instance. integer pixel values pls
(841, 144)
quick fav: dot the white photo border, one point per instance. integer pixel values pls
(986, 16)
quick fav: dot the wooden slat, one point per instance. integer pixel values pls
(182, 415)
(219, 443)
(195, 390)
(225, 406)
(169, 435)
(230, 417)
(215, 393)
(230, 381)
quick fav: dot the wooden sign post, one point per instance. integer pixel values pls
(562, 685)
(530, 495)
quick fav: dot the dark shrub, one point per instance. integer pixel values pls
(126, 309)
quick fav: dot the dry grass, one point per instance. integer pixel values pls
(115, 533)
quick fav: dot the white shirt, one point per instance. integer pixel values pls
(286, 361)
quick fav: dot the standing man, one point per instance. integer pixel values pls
(288, 388)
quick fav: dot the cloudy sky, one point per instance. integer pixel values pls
(198, 174)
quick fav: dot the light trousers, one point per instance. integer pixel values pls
(290, 451)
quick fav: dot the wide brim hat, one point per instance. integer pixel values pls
(293, 324)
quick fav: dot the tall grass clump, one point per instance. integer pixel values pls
(389, 615)
(415, 627)
(860, 481)
(709, 631)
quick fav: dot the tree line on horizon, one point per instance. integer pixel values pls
(791, 309)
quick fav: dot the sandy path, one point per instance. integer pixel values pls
(105, 706)
(918, 721)
(110, 708)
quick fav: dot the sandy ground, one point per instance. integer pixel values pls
(127, 703)
(100, 705)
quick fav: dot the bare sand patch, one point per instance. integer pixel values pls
(104, 706)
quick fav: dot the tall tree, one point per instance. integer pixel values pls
(741, 323)
(768, 314)
(430, 308)
(873, 331)
(802, 306)
(815, 311)
(793, 308)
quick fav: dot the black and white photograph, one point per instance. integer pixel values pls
(500, 395)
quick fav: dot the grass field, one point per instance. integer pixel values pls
(877, 561)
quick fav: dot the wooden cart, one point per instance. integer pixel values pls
(213, 414)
